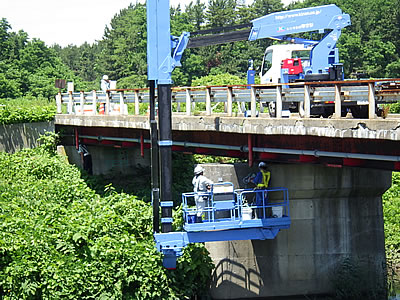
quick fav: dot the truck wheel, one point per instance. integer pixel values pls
(360, 111)
(327, 112)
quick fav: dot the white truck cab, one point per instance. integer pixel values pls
(274, 55)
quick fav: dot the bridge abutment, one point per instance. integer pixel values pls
(336, 231)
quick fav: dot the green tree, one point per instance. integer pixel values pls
(221, 13)
(124, 44)
(4, 39)
(195, 12)
(261, 8)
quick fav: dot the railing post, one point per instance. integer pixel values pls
(59, 103)
(107, 108)
(253, 102)
(82, 102)
(208, 101)
(121, 104)
(229, 101)
(338, 101)
(70, 103)
(278, 101)
(307, 101)
(371, 100)
(94, 103)
(188, 102)
(137, 104)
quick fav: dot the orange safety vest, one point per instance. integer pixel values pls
(265, 181)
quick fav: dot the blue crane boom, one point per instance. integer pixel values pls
(282, 24)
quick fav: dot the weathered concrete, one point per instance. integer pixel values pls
(111, 161)
(385, 129)
(336, 213)
(15, 137)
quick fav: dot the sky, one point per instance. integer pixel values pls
(66, 22)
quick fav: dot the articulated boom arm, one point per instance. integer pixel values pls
(290, 22)
(165, 51)
(280, 25)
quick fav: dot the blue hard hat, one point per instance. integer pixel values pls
(262, 165)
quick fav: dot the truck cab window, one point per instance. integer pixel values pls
(304, 55)
(267, 62)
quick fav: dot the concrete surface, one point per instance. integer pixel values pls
(336, 214)
(386, 129)
(16, 137)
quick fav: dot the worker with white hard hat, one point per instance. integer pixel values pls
(105, 83)
(201, 184)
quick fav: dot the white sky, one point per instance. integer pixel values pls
(65, 22)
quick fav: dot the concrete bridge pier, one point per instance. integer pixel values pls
(112, 161)
(337, 227)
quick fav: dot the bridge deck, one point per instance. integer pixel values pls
(382, 129)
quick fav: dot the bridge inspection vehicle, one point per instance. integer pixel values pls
(164, 54)
(226, 217)
(299, 59)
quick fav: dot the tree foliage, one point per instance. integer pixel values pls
(371, 45)
(28, 67)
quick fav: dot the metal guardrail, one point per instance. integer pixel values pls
(236, 98)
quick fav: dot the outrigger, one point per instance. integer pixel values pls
(229, 215)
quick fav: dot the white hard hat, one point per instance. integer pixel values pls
(262, 165)
(105, 77)
(198, 170)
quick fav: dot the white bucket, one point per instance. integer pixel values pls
(277, 211)
(247, 213)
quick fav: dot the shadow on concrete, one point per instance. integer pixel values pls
(232, 276)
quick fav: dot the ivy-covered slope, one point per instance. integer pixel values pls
(59, 239)
(391, 212)
(27, 110)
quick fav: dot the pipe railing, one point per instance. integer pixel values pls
(232, 100)
(246, 149)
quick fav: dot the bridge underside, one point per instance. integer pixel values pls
(330, 151)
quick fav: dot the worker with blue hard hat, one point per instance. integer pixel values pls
(201, 184)
(262, 181)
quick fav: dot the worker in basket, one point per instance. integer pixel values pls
(201, 184)
(262, 181)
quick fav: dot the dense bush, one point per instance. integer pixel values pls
(26, 110)
(395, 108)
(59, 239)
(218, 79)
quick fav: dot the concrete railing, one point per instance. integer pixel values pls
(240, 99)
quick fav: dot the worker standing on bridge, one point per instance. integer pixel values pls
(262, 181)
(201, 184)
(105, 83)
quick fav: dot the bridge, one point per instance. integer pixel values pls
(336, 170)
(214, 121)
